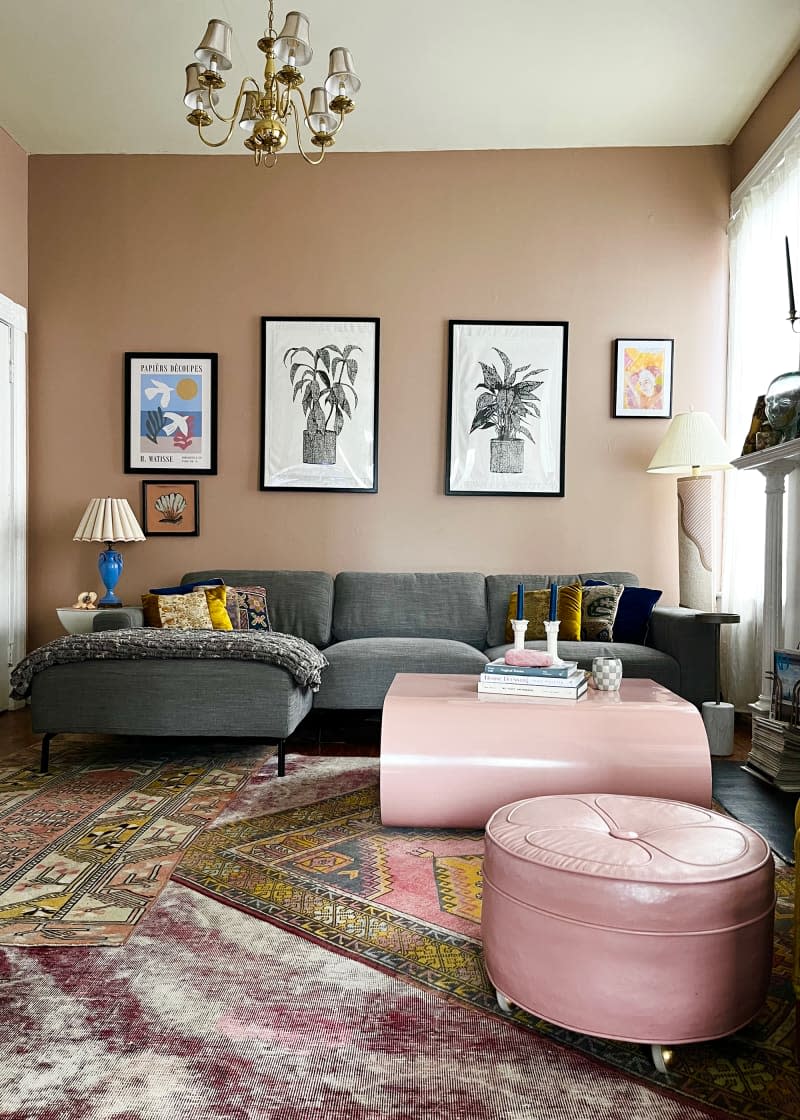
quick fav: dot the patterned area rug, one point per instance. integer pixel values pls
(316, 860)
(85, 849)
(210, 1014)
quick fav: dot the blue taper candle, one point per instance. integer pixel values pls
(553, 602)
(520, 600)
(792, 308)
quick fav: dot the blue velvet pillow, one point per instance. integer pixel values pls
(185, 588)
(633, 612)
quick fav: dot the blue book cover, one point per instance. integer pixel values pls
(499, 666)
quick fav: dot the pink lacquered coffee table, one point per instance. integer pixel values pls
(450, 757)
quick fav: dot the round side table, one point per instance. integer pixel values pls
(717, 715)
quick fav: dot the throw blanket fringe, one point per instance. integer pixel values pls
(297, 656)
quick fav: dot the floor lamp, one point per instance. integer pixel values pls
(693, 444)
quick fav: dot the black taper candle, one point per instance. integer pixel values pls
(792, 308)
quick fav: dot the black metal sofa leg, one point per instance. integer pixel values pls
(46, 750)
(281, 758)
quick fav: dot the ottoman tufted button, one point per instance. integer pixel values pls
(620, 834)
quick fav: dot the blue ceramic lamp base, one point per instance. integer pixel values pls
(109, 564)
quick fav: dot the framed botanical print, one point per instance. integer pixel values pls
(170, 509)
(171, 413)
(506, 417)
(319, 404)
(643, 378)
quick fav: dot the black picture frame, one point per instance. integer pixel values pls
(167, 413)
(172, 514)
(528, 459)
(331, 363)
(635, 396)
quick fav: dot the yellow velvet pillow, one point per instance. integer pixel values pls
(537, 610)
(217, 597)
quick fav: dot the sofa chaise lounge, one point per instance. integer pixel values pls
(370, 626)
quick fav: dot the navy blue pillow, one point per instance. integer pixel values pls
(185, 588)
(633, 612)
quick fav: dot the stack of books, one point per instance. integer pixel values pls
(775, 753)
(553, 682)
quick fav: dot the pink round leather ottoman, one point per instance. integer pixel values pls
(628, 917)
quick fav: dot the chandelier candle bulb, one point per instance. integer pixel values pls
(520, 600)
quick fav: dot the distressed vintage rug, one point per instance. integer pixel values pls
(207, 1013)
(313, 857)
(85, 849)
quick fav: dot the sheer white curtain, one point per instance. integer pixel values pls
(761, 345)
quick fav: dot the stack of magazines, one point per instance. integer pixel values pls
(553, 682)
(775, 753)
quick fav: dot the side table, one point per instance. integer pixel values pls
(76, 621)
(718, 715)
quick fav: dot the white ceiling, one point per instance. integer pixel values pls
(108, 75)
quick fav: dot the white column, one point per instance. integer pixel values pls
(772, 617)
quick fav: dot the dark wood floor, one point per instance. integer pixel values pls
(328, 733)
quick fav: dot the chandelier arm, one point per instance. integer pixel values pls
(216, 143)
(238, 105)
(305, 156)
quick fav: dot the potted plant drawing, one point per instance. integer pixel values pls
(324, 380)
(507, 405)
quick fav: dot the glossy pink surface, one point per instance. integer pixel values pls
(626, 917)
(450, 757)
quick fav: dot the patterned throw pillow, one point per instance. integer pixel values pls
(632, 623)
(537, 609)
(247, 608)
(599, 611)
(185, 612)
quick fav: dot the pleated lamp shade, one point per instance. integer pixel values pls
(108, 519)
(691, 440)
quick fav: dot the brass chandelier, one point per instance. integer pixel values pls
(263, 113)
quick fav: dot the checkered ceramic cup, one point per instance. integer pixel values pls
(606, 673)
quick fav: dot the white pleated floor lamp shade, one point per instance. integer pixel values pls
(109, 519)
(693, 444)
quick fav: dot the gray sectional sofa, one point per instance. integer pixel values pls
(370, 626)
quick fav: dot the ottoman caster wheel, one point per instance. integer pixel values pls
(502, 1002)
(662, 1057)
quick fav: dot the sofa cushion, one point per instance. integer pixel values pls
(300, 602)
(360, 671)
(637, 661)
(500, 587)
(450, 605)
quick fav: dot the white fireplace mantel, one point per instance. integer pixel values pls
(774, 463)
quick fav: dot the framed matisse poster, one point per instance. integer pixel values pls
(171, 413)
(319, 404)
(643, 377)
(170, 509)
(507, 401)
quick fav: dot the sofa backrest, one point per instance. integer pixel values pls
(299, 603)
(410, 605)
(499, 588)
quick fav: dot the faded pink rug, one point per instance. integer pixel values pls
(207, 1013)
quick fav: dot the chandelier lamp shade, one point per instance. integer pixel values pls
(109, 520)
(693, 444)
(266, 111)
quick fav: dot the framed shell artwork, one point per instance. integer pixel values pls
(171, 509)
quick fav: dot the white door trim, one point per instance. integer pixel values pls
(16, 317)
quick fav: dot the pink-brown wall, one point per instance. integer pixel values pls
(766, 122)
(13, 220)
(186, 253)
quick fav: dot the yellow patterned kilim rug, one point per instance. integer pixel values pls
(319, 863)
(87, 848)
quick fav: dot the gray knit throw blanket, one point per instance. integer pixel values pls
(296, 655)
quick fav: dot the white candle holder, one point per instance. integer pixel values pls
(520, 625)
(551, 630)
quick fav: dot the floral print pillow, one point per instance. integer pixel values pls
(247, 608)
